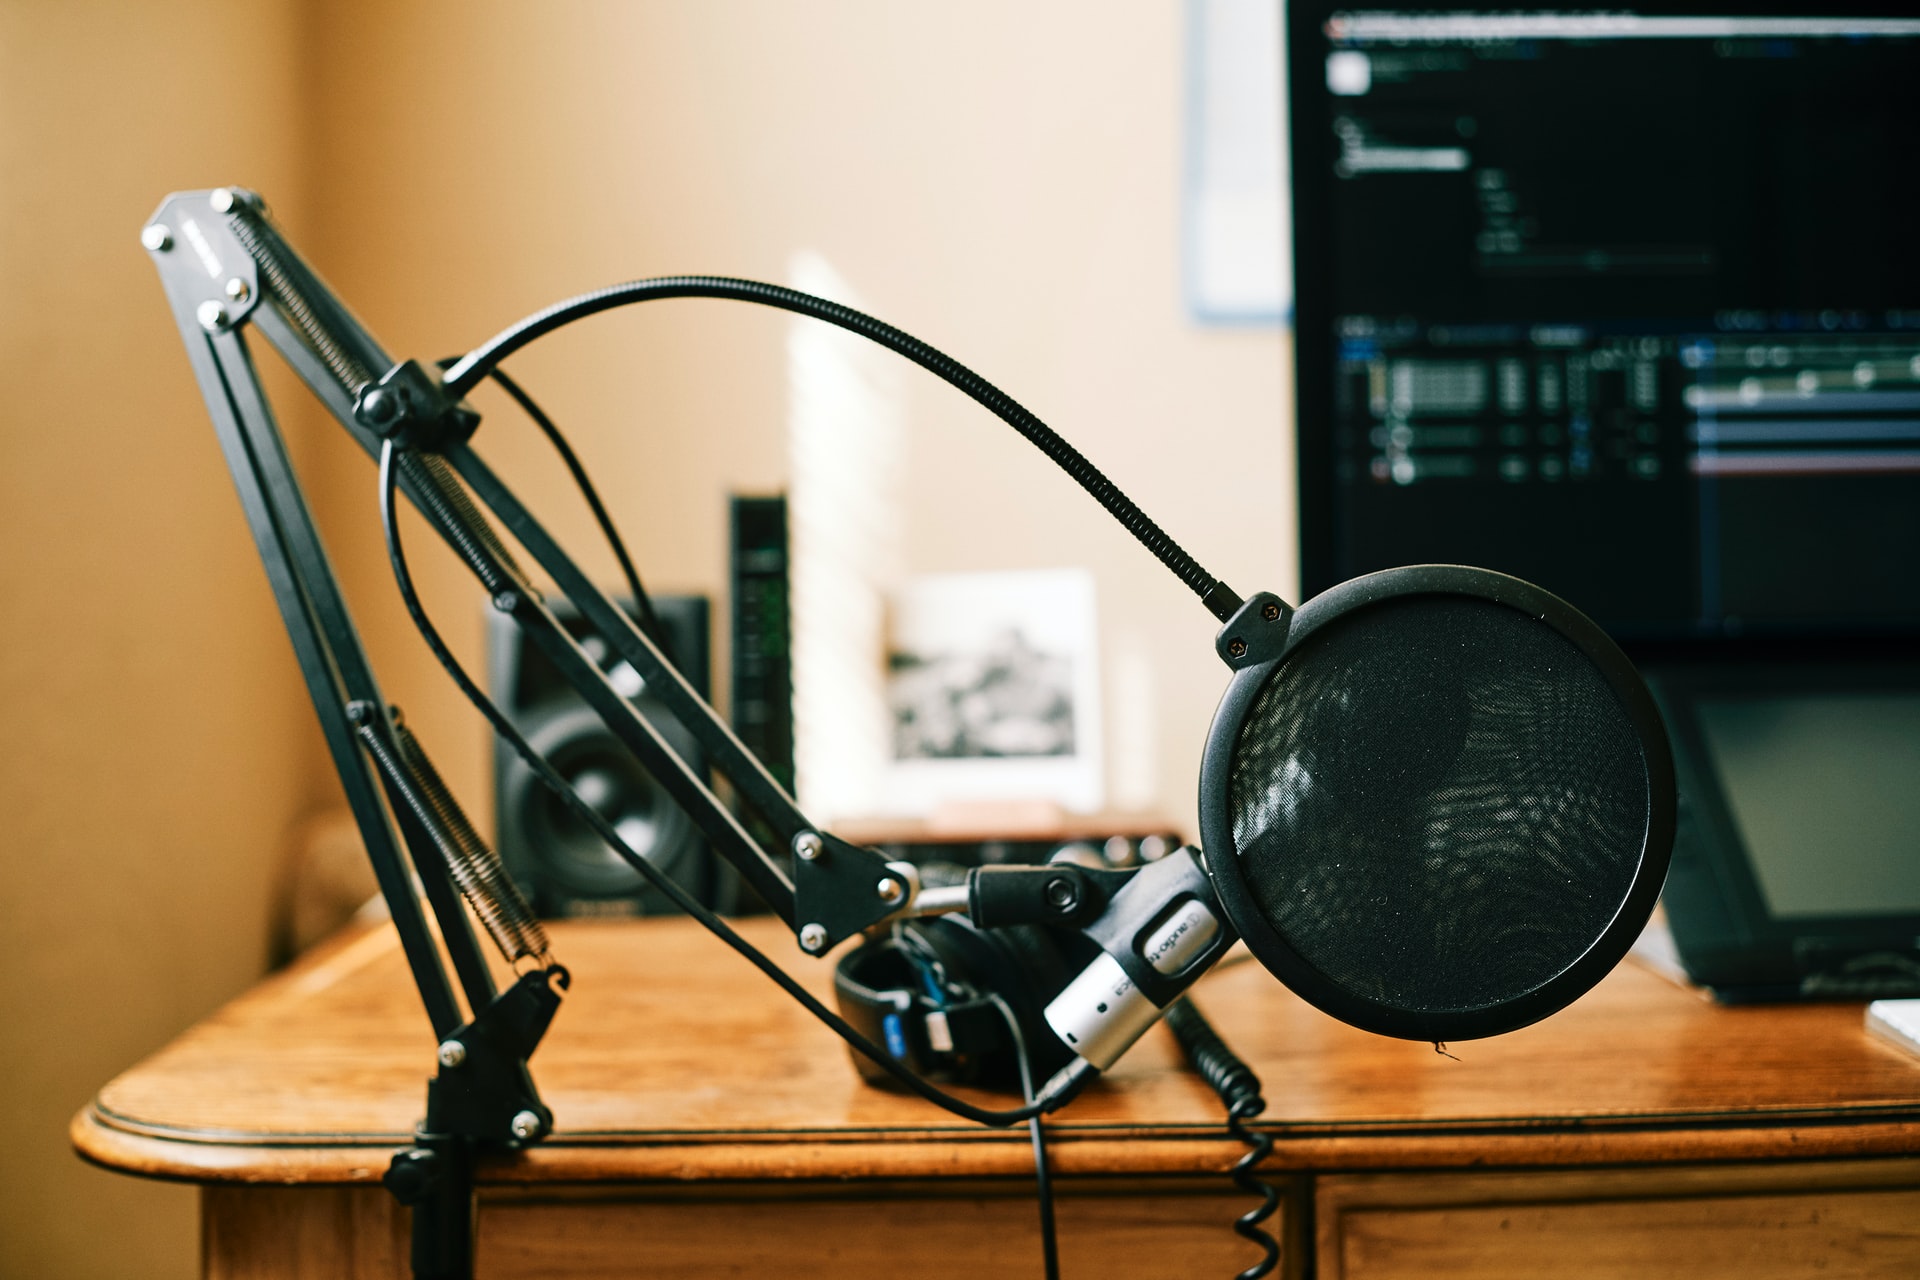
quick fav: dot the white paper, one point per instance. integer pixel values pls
(1238, 232)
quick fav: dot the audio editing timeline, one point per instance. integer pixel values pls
(1840, 407)
(1627, 305)
(1720, 477)
(1631, 408)
(1567, 409)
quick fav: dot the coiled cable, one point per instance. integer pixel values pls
(1239, 1089)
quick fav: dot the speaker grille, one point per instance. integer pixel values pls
(1438, 802)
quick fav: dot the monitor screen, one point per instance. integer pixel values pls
(1623, 303)
(1820, 790)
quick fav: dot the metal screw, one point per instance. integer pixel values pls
(1270, 611)
(526, 1125)
(507, 601)
(157, 237)
(213, 316)
(379, 406)
(813, 937)
(1061, 894)
(807, 846)
(237, 289)
(452, 1054)
(222, 200)
(890, 890)
(1236, 648)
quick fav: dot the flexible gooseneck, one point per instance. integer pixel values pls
(464, 374)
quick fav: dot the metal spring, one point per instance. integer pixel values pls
(351, 374)
(476, 869)
(454, 508)
(505, 915)
(450, 507)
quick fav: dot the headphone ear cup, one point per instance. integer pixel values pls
(1026, 966)
(881, 989)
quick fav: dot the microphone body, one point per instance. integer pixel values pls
(1159, 933)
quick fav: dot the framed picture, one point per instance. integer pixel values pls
(993, 685)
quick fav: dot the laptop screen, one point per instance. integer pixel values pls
(1821, 789)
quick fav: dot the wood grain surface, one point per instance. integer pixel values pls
(938, 1233)
(1857, 1219)
(673, 1060)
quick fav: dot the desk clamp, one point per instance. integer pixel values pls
(482, 1098)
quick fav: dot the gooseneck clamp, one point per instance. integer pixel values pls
(227, 270)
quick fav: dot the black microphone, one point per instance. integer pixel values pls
(1436, 802)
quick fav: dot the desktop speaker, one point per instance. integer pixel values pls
(558, 862)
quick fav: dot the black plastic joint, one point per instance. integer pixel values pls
(1058, 893)
(1256, 633)
(1155, 894)
(487, 1095)
(1221, 600)
(408, 406)
(414, 1174)
(836, 890)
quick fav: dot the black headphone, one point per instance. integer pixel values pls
(938, 993)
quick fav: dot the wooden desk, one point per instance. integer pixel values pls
(708, 1127)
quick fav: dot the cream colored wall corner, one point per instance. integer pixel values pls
(155, 749)
(1000, 178)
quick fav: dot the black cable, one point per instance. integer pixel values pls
(1043, 1191)
(642, 602)
(1042, 1177)
(1247, 1225)
(1239, 1089)
(465, 373)
(1069, 1083)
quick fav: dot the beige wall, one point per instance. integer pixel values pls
(154, 748)
(1001, 179)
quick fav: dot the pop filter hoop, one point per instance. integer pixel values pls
(1579, 883)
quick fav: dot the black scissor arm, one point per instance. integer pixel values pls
(482, 1094)
(225, 268)
(330, 658)
(375, 399)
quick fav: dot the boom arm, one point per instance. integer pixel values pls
(225, 269)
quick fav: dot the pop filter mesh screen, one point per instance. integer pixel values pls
(1438, 802)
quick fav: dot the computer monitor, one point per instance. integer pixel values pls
(1624, 303)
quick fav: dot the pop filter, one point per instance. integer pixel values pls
(1437, 802)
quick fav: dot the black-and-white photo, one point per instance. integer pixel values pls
(1011, 698)
(993, 690)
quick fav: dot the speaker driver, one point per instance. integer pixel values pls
(557, 860)
(1444, 810)
(574, 862)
